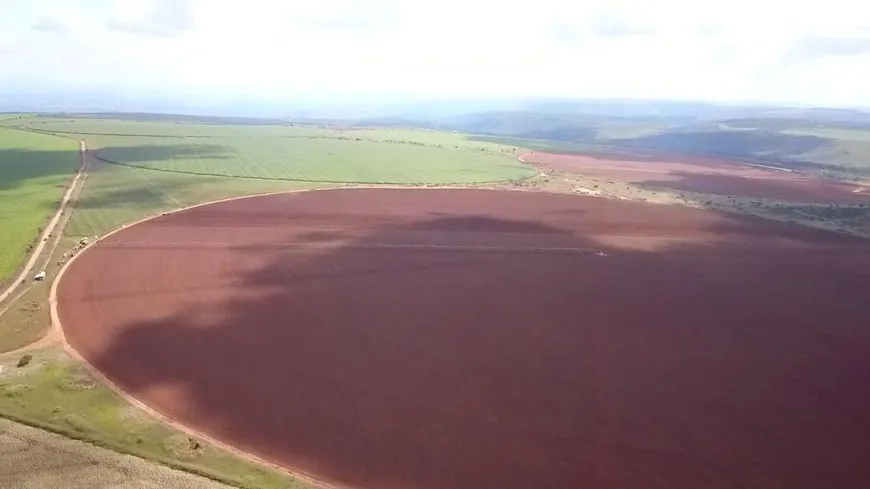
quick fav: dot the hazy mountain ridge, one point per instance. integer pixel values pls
(827, 140)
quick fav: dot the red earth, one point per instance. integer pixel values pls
(706, 175)
(387, 338)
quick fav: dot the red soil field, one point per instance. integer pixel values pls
(706, 175)
(388, 338)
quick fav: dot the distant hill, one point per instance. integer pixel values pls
(170, 118)
(540, 125)
(831, 141)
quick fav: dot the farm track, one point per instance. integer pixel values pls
(53, 335)
(716, 361)
(52, 224)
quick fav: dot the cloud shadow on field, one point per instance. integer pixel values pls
(18, 166)
(700, 364)
(134, 155)
(735, 143)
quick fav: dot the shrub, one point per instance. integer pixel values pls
(25, 360)
(182, 447)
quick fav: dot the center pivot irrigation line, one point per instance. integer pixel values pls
(355, 246)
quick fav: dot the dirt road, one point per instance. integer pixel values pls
(28, 268)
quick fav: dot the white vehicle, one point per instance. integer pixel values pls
(40, 276)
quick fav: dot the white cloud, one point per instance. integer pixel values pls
(156, 18)
(740, 50)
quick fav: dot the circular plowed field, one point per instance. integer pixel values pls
(386, 338)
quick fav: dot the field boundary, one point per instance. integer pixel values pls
(56, 330)
(375, 225)
(51, 337)
(57, 326)
(74, 435)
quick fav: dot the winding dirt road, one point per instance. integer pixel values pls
(28, 268)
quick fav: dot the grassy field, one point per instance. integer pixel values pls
(298, 153)
(34, 170)
(79, 465)
(56, 393)
(114, 195)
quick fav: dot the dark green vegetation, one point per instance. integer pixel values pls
(34, 171)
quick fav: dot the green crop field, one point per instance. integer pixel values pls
(114, 195)
(34, 170)
(297, 153)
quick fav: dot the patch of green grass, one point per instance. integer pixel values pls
(34, 172)
(26, 319)
(54, 392)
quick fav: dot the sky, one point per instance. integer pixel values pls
(805, 53)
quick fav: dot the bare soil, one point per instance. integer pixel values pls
(382, 338)
(706, 175)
